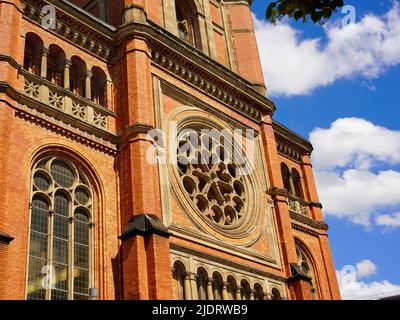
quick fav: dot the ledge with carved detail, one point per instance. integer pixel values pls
(62, 100)
(296, 204)
(290, 144)
(298, 208)
(85, 124)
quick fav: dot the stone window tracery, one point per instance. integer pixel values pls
(211, 178)
(306, 266)
(60, 232)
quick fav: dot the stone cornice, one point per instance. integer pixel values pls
(305, 229)
(320, 225)
(274, 191)
(196, 68)
(291, 144)
(185, 74)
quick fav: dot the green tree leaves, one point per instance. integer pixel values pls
(319, 11)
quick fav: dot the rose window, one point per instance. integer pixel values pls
(211, 178)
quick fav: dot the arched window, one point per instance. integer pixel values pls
(60, 232)
(246, 291)
(56, 65)
(179, 275)
(33, 53)
(78, 73)
(304, 261)
(258, 292)
(276, 295)
(202, 282)
(218, 286)
(187, 24)
(285, 176)
(232, 288)
(99, 87)
(297, 183)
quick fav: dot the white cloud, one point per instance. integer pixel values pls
(346, 159)
(353, 287)
(365, 268)
(389, 221)
(360, 141)
(296, 66)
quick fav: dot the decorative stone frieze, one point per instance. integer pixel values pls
(206, 86)
(291, 144)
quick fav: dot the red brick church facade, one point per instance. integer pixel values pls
(85, 211)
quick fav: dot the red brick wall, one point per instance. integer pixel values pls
(126, 185)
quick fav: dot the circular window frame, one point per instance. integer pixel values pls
(250, 229)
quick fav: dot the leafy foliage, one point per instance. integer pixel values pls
(319, 11)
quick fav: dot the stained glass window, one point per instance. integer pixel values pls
(60, 232)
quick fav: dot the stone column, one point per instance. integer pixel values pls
(68, 64)
(186, 284)
(88, 84)
(225, 291)
(238, 294)
(43, 67)
(193, 285)
(210, 293)
(251, 294)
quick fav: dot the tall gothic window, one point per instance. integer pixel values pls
(185, 21)
(297, 183)
(33, 53)
(60, 232)
(55, 65)
(286, 177)
(304, 261)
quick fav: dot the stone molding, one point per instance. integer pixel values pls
(320, 225)
(206, 86)
(291, 144)
(65, 129)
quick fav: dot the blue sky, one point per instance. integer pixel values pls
(346, 82)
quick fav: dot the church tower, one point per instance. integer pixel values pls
(140, 158)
